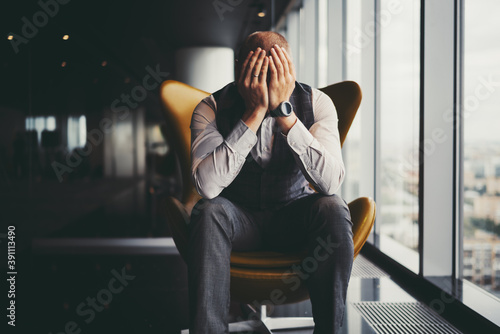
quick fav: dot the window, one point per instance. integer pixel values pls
(39, 124)
(50, 123)
(308, 47)
(77, 132)
(399, 129)
(351, 150)
(481, 156)
(409, 143)
(293, 37)
(322, 43)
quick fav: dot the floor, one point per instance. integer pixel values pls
(368, 283)
(145, 291)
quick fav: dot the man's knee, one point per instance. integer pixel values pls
(205, 205)
(334, 221)
(207, 212)
(331, 208)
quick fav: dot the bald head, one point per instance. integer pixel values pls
(263, 39)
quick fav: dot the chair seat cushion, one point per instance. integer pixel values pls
(266, 259)
(267, 286)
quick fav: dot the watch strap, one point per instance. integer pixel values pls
(276, 112)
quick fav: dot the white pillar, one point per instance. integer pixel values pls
(206, 68)
(439, 135)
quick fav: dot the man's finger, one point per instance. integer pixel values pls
(290, 62)
(277, 62)
(258, 65)
(263, 70)
(251, 65)
(273, 69)
(244, 69)
(282, 58)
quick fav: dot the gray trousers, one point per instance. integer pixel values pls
(319, 223)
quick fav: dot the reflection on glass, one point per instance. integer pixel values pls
(481, 165)
(82, 135)
(51, 123)
(40, 124)
(77, 132)
(30, 123)
(399, 129)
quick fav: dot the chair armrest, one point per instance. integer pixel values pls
(177, 221)
(363, 211)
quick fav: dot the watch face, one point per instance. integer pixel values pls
(286, 108)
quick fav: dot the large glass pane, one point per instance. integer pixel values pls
(399, 24)
(481, 166)
(322, 43)
(351, 150)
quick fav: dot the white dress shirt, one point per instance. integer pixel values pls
(216, 162)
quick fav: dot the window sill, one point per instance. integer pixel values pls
(463, 304)
(470, 295)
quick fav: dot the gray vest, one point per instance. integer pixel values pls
(281, 181)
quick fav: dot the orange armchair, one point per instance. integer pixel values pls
(255, 276)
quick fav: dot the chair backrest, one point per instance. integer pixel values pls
(346, 97)
(179, 101)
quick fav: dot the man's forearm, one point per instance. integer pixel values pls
(320, 167)
(286, 123)
(253, 118)
(216, 162)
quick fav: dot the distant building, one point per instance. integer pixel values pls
(487, 207)
(482, 261)
(493, 185)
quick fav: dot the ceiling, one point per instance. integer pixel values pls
(124, 35)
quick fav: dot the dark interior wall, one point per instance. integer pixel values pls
(12, 121)
(112, 47)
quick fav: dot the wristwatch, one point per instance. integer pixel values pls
(284, 109)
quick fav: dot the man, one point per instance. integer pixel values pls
(257, 144)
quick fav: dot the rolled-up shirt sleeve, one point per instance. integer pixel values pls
(216, 161)
(317, 151)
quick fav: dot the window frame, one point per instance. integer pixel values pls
(441, 169)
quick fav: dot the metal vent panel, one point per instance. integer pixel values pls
(396, 318)
(365, 269)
